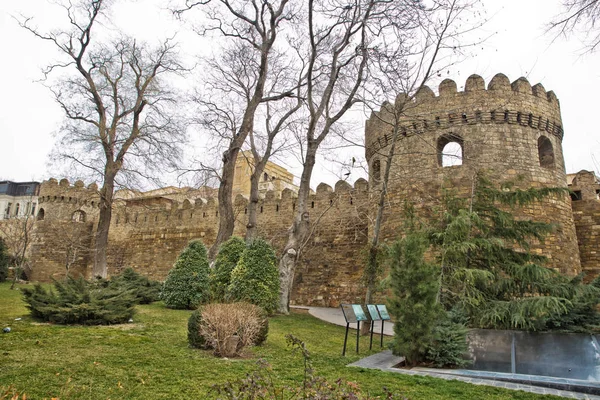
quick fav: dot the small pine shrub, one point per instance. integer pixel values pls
(195, 339)
(262, 334)
(187, 285)
(4, 261)
(228, 257)
(255, 279)
(76, 301)
(145, 290)
(228, 328)
(449, 345)
(413, 306)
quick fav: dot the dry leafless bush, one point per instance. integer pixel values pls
(230, 327)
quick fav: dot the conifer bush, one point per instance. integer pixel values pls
(188, 283)
(255, 279)
(146, 291)
(449, 345)
(413, 306)
(488, 270)
(195, 338)
(76, 301)
(227, 258)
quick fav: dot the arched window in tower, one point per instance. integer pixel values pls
(78, 216)
(450, 150)
(545, 152)
(376, 171)
(265, 177)
(41, 215)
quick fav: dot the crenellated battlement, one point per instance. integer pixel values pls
(171, 212)
(61, 199)
(55, 191)
(516, 103)
(512, 131)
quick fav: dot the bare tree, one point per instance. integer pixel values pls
(120, 122)
(356, 52)
(440, 29)
(249, 30)
(583, 15)
(16, 233)
(337, 39)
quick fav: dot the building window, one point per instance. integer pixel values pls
(7, 210)
(576, 195)
(33, 209)
(79, 216)
(265, 177)
(17, 208)
(450, 150)
(545, 152)
(41, 215)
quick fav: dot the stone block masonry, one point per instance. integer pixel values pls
(513, 131)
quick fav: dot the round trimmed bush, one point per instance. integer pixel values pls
(195, 338)
(255, 279)
(188, 285)
(228, 257)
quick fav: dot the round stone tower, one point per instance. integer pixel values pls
(510, 131)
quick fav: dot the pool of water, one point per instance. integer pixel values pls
(561, 355)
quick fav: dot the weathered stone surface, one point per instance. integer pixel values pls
(499, 129)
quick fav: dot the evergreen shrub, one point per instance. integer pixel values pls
(413, 306)
(227, 258)
(195, 338)
(187, 285)
(146, 291)
(449, 346)
(76, 301)
(255, 279)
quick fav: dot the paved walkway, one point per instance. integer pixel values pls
(385, 361)
(336, 316)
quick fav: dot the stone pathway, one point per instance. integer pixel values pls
(385, 361)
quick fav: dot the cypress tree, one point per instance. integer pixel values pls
(255, 279)
(187, 285)
(227, 258)
(413, 305)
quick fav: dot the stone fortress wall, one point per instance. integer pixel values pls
(147, 233)
(509, 130)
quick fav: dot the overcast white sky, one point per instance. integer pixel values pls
(518, 47)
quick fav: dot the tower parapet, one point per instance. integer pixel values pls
(512, 131)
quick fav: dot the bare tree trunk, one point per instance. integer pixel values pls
(251, 226)
(297, 233)
(100, 269)
(373, 266)
(225, 207)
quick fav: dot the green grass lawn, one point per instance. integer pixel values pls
(150, 359)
